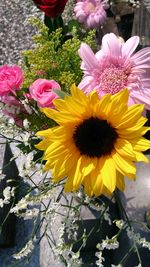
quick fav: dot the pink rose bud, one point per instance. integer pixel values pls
(11, 78)
(42, 91)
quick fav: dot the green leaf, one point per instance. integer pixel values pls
(61, 94)
(73, 23)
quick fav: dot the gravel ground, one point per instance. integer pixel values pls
(15, 32)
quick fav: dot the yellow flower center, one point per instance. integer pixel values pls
(90, 8)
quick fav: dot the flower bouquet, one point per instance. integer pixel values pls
(74, 109)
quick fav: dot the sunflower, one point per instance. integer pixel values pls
(96, 142)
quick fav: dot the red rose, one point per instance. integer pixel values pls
(51, 8)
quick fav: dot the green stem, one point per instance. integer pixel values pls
(121, 208)
(123, 212)
(124, 259)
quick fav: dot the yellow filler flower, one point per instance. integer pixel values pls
(96, 142)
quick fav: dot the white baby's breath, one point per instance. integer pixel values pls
(120, 223)
(1, 203)
(25, 251)
(8, 192)
(110, 243)
(26, 105)
(26, 124)
(101, 259)
(21, 205)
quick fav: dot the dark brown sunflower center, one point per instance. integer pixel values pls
(95, 137)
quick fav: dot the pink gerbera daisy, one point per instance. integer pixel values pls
(116, 67)
(91, 12)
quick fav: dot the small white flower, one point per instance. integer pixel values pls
(25, 102)
(120, 223)
(11, 121)
(107, 217)
(144, 243)
(25, 138)
(21, 205)
(110, 243)
(87, 200)
(26, 124)
(30, 213)
(2, 176)
(25, 251)
(8, 192)
(133, 236)
(1, 203)
(100, 260)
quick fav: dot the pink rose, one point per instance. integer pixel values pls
(11, 79)
(41, 91)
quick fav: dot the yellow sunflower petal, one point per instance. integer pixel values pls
(93, 185)
(120, 181)
(78, 94)
(78, 176)
(88, 189)
(88, 165)
(131, 116)
(54, 149)
(50, 113)
(93, 98)
(43, 145)
(124, 148)
(132, 133)
(45, 133)
(103, 106)
(141, 144)
(69, 182)
(124, 166)
(108, 173)
(94, 180)
(60, 104)
(119, 101)
(136, 125)
(62, 167)
(141, 157)
(121, 97)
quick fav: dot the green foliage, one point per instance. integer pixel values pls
(52, 58)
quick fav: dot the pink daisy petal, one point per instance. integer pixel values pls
(111, 45)
(142, 99)
(84, 84)
(129, 46)
(87, 55)
(131, 101)
(142, 57)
